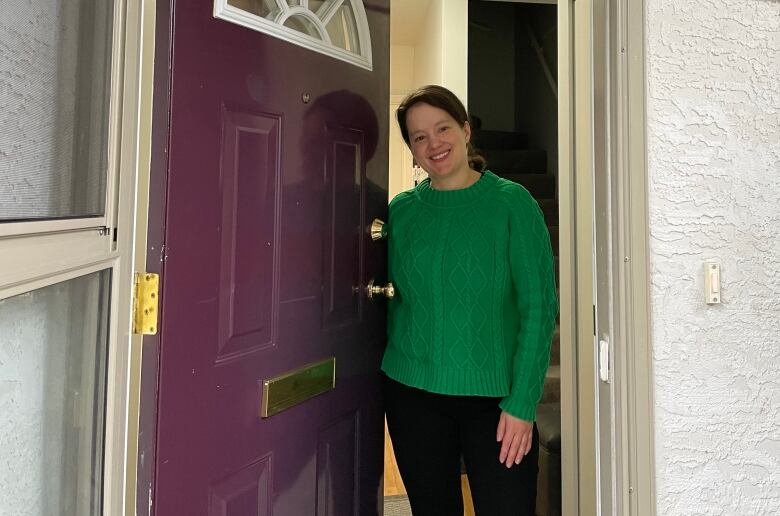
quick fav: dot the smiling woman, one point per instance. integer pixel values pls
(470, 327)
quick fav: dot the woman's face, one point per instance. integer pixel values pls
(437, 141)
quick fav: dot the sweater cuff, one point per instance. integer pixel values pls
(518, 409)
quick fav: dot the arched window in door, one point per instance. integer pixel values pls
(338, 28)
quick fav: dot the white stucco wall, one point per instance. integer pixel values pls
(713, 70)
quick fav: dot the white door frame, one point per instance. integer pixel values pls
(634, 454)
(633, 277)
(601, 77)
(144, 23)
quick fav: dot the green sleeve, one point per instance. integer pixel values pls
(533, 277)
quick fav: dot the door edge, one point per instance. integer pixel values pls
(144, 25)
(567, 251)
(151, 245)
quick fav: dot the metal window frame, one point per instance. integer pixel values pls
(37, 254)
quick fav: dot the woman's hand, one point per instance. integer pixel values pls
(515, 436)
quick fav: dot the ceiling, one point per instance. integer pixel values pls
(406, 20)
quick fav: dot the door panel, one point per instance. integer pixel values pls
(276, 167)
(250, 171)
(344, 212)
(247, 491)
(337, 465)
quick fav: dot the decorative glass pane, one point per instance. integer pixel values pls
(343, 29)
(55, 68)
(303, 25)
(321, 20)
(262, 8)
(53, 398)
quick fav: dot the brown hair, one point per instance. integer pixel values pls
(444, 99)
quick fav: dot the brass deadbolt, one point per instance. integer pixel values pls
(375, 290)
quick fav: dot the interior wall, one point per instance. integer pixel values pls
(401, 83)
(401, 69)
(438, 54)
(428, 49)
(455, 47)
(713, 127)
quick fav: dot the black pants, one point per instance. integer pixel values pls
(431, 431)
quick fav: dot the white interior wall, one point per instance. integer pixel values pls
(455, 47)
(435, 52)
(713, 140)
(441, 52)
(401, 83)
(428, 48)
(401, 69)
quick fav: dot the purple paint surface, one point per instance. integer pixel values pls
(267, 202)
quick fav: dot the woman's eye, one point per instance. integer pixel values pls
(419, 138)
(442, 129)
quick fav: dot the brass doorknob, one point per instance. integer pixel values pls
(377, 230)
(374, 290)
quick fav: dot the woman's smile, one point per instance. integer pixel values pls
(440, 156)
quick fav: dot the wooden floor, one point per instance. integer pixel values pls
(395, 486)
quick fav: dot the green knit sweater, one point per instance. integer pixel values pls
(475, 302)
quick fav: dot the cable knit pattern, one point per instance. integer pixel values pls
(475, 302)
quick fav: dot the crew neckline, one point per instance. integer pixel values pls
(458, 197)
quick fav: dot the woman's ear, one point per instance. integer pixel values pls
(467, 130)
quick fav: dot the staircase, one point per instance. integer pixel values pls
(508, 156)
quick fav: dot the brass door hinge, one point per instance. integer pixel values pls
(145, 296)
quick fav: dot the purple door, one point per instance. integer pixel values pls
(276, 166)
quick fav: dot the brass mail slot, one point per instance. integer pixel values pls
(295, 387)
